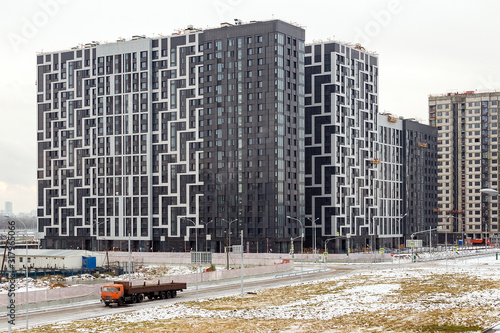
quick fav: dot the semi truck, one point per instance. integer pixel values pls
(121, 292)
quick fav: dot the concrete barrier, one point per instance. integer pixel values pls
(250, 259)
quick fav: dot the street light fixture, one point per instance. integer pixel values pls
(373, 235)
(446, 234)
(196, 230)
(489, 191)
(329, 239)
(400, 230)
(430, 235)
(291, 243)
(301, 246)
(229, 236)
(195, 252)
(97, 234)
(206, 233)
(120, 202)
(493, 193)
(129, 252)
(313, 226)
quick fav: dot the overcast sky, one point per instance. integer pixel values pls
(425, 47)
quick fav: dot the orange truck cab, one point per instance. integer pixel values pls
(112, 293)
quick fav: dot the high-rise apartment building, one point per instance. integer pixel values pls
(419, 156)
(153, 138)
(388, 181)
(342, 159)
(467, 125)
(370, 177)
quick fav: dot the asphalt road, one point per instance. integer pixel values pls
(87, 310)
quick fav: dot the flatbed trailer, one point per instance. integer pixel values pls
(121, 292)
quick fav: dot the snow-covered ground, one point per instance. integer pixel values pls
(454, 295)
(154, 271)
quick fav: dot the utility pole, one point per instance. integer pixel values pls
(227, 251)
(129, 261)
(228, 236)
(241, 263)
(301, 245)
(313, 226)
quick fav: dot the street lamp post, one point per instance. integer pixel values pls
(196, 231)
(326, 242)
(291, 243)
(401, 233)
(129, 254)
(195, 252)
(97, 236)
(301, 246)
(329, 239)
(446, 234)
(313, 226)
(373, 236)
(229, 237)
(430, 241)
(493, 193)
(206, 233)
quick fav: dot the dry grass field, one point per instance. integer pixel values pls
(434, 299)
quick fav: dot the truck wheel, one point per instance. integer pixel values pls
(133, 299)
(140, 298)
(174, 293)
(120, 301)
(151, 296)
(106, 303)
(163, 295)
(168, 294)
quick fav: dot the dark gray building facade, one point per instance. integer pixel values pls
(161, 140)
(341, 145)
(420, 185)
